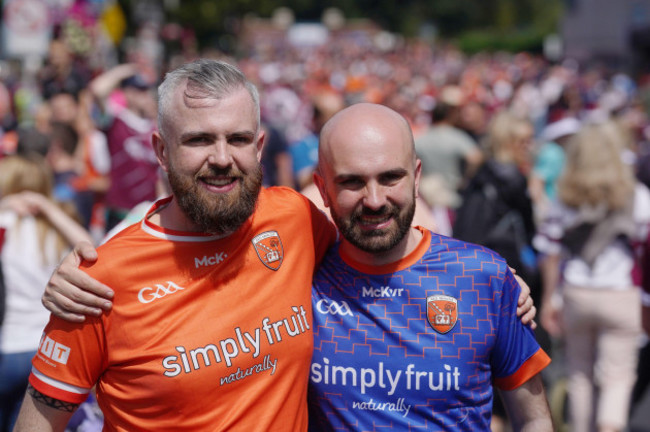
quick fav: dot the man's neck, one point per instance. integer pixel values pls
(172, 217)
(401, 250)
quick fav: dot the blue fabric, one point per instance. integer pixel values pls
(417, 346)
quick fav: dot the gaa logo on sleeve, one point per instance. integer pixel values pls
(269, 249)
(442, 312)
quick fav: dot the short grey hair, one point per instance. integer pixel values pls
(205, 79)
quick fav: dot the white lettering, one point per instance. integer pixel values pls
(255, 342)
(371, 405)
(228, 349)
(393, 382)
(47, 347)
(60, 353)
(369, 378)
(316, 376)
(207, 261)
(381, 292)
(343, 373)
(333, 308)
(147, 294)
(205, 353)
(54, 350)
(229, 353)
(170, 363)
(240, 374)
(365, 382)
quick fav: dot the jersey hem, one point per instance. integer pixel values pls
(528, 369)
(57, 393)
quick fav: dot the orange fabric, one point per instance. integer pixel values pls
(531, 367)
(205, 333)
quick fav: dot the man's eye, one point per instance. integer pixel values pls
(350, 183)
(392, 179)
(240, 140)
(196, 140)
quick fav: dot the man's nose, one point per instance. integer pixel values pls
(374, 198)
(220, 155)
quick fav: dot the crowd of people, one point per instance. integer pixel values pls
(547, 164)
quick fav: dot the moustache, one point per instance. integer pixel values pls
(387, 210)
(219, 172)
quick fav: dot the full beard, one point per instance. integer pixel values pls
(376, 240)
(216, 213)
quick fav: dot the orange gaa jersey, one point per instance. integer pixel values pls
(205, 333)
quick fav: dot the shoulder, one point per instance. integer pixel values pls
(472, 256)
(122, 247)
(282, 198)
(283, 203)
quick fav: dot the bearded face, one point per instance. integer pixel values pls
(376, 240)
(212, 212)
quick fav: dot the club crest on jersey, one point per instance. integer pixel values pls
(442, 312)
(269, 249)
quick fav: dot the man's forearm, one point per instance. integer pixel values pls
(527, 407)
(43, 413)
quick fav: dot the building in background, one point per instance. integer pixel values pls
(614, 32)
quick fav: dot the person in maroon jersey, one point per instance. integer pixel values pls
(128, 127)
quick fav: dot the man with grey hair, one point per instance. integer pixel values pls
(211, 327)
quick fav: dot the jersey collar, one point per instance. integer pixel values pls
(174, 235)
(395, 266)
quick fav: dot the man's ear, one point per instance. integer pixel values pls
(261, 138)
(418, 175)
(160, 147)
(320, 184)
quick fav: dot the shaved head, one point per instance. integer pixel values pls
(368, 177)
(360, 121)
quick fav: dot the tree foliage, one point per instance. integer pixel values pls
(451, 18)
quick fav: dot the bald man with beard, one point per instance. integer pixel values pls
(411, 329)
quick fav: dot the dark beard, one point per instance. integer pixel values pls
(216, 214)
(379, 240)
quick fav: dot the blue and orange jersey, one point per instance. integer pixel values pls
(417, 344)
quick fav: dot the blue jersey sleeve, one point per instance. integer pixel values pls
(517, 355)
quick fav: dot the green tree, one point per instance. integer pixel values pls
(495, 19)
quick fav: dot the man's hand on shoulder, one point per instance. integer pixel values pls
(526, 310)
(71, 294)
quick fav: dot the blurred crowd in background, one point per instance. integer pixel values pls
(495, 133)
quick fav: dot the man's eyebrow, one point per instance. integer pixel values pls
(397, 172)
(211, 136)
(190, 135)
(394, 172)
(343, 177)
(246, 134)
